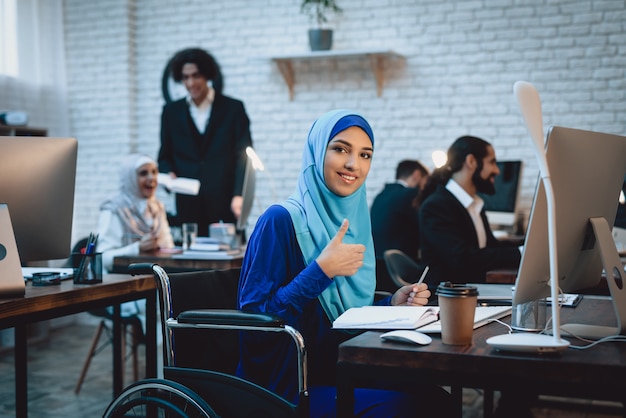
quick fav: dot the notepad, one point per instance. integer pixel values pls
(386, 317)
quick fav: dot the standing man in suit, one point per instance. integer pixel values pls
(204, 136)
(455, 238)
(394, 211)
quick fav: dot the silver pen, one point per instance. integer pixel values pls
(423, 276)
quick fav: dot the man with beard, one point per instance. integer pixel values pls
(455, 238)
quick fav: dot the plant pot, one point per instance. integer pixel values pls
(320, 39)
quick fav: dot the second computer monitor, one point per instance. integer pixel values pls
(502, 207)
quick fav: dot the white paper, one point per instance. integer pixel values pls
(181, 185)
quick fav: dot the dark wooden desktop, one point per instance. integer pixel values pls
(595, 373)
(47, 302)
(172, 264)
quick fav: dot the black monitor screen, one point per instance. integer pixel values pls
(507, 186)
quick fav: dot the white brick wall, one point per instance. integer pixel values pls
(462, 58)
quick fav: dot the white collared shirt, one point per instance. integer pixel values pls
(200, 113)
(473, 205)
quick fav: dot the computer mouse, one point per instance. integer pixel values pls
(407, 336)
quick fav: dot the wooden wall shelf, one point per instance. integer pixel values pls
(376, 57)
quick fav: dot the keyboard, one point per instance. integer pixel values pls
(482, 316)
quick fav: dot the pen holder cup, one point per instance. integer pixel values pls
(87, 268)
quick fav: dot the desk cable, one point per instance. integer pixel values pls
(591, 343)
(501, 323)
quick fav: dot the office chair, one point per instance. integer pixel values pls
(200, 329)
(131, 324)
(402, 268)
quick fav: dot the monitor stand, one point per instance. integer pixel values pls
(616, 280)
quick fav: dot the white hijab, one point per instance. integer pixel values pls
(139, 215)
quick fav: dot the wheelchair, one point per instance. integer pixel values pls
(198, 311)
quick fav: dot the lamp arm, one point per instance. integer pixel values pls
(552, 248)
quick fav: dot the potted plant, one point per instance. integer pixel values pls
(320, 39)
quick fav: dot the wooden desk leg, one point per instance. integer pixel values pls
(345, 393)
(21, 384)
(457, 399)
(487, 403)
(118, 367)
(151, 336)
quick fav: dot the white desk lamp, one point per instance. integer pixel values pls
(530, 106)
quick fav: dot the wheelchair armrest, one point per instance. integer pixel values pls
(230, 317)
(136, 269)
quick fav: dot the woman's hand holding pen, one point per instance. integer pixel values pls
(416, 294)
(339, 259)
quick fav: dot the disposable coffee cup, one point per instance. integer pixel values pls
(457, 306)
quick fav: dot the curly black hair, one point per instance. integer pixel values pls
(207, 66)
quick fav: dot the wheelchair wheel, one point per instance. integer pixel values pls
(158, 398)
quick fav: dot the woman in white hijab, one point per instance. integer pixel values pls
(134, 220)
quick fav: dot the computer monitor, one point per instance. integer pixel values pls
(502, 207)
(37, 181)
(587, 171)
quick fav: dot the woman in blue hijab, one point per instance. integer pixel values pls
(311, 258)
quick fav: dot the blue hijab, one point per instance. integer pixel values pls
(317, 214)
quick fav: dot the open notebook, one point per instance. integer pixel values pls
(422, 318)
(386, 317)
(482, 316)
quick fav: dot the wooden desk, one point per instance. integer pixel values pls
(595, 373)
(172, 264)
(47, 302)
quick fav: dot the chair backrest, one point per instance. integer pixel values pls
(205, 349)
(402, 268)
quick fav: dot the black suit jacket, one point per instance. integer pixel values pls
(395, 223)
(449, 244)
(394, 226)
(217, 158)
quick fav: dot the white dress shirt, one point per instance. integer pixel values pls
(473, 205)
(200, 113)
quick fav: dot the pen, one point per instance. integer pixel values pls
(423, 276)
(89, 249)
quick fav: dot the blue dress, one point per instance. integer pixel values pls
(275, 279)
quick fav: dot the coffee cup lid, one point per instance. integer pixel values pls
(456, 290)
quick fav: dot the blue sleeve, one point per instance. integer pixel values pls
(274, 277)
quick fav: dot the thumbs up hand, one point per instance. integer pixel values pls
(339, 259)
